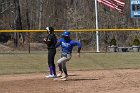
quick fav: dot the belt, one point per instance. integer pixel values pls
(66, 53)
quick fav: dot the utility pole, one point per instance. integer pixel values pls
(97, 33)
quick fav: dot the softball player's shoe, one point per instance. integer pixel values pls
(54, 76)
(51, 76)
(63, 77)
(59, 75)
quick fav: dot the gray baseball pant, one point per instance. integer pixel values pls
(62, 63)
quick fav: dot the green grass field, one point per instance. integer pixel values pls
(37, 62)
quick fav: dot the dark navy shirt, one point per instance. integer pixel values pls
(51, 41)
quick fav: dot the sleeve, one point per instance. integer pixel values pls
(79, 46)
(58, 42)
(55, 40)
(48, 41)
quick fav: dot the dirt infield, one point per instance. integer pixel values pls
(99, 81)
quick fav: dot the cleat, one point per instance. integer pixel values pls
(64, 77)
(51, 76)
(59, 75)
(59, 79)
(54, 76)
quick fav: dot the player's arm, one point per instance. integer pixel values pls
(78, 51)
(58, 43)
(79, 48)
(48, 40)
(45, 40)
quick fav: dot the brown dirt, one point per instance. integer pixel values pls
(99, 81)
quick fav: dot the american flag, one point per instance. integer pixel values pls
(113, 4)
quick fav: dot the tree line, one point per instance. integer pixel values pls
(65, 14)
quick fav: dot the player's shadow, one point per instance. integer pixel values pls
(80, 78)
(75, 75)
(83, 79)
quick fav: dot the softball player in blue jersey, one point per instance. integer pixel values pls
(67, 45)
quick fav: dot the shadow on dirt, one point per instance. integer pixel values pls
(74, 75)
(82, 79)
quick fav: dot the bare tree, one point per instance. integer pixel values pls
(40, 13)
(18, 22)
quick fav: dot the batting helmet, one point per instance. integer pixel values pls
(66, 34)
(50, 29)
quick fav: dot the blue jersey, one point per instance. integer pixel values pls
(68, 45)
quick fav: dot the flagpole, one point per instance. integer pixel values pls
(97, 33)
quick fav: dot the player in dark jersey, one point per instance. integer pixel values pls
(51, 41)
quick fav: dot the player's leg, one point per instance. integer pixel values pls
(64, 70)
(60, 70)
(62, 62)
(68, 57)
(51, 64)
(60, 66)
